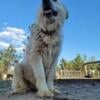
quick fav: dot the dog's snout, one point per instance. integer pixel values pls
(48, 13)
(48, 10)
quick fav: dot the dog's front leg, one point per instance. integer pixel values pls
(38, 70)
(51, 77)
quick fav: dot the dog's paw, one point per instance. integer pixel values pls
(45, 94)
(18, 91)
(53, 90)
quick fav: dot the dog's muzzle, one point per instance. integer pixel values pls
(48, 10)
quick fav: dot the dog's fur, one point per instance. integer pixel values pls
(37, 71)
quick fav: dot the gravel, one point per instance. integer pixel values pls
(71, 89)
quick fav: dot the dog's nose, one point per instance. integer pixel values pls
(46, 5)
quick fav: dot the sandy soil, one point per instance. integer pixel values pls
(70, 90)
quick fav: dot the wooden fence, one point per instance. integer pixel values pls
(68, 74)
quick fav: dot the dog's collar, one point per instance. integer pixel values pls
(48, 32)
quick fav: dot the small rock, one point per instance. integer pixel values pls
(62, 97)
(93, 84)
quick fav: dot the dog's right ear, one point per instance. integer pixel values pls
(67, 14)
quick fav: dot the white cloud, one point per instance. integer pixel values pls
(15, 30)
(21, 48)
(4, 44)
(13, 33)
(14, 36)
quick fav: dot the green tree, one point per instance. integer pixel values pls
(1, 64)
(63, 63)
(7, 57)
(98, 67)
(78, 62)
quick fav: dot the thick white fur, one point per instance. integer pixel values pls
(41, 55)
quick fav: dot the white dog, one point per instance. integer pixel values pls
(37, 71)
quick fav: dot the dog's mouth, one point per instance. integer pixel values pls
(48, 10)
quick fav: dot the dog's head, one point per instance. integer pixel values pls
(52, 15)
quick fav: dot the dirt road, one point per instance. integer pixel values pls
(71, 90)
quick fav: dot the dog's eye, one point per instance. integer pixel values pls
(55, 13)
(55, 0)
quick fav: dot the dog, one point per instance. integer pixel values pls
(37, 70)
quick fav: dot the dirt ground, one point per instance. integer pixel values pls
(80, 89)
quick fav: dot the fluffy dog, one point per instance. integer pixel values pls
(37, 71)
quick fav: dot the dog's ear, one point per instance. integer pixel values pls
(67, 14)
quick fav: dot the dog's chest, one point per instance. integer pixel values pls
(48, 43)
(48, 48)
(51, 40)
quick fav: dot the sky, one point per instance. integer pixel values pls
(81, 31)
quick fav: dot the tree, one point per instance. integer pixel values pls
(7, 57)
(1, 64)
(78, 62)
(98, 67)
(62, 63)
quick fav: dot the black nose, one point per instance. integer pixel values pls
(46, 5)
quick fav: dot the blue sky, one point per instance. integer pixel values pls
(81, 31)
